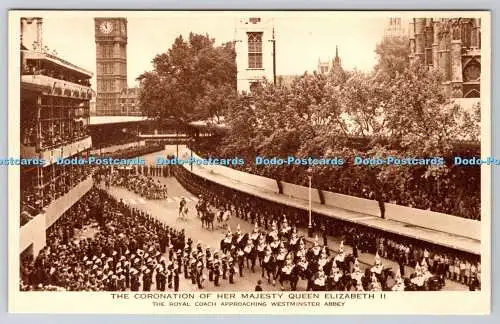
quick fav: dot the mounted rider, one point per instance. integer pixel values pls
(182, 204)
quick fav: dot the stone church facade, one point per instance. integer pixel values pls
(453, 46)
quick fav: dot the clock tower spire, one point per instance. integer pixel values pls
(111, 63)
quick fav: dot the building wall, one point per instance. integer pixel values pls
(129, 102)
(453, 47)
(247, 75)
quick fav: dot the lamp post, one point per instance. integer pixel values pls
(191, 149)
(273, 40)
(309, 227)
(177, 144)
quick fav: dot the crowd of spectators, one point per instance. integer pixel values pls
(456, 193)
(53, 71)
(134, 151)
(53, 133)
(57, 181)
(100, 244)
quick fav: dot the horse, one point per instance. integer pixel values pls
(201, 208)
(207, 219)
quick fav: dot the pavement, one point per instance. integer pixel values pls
(166, 210)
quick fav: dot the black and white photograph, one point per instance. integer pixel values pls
(252, 162)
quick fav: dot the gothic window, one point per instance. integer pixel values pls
(107, 51)
(254, 50)
(472, 72)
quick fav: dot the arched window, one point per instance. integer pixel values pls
(472, 71)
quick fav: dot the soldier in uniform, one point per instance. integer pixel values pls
(199, 272)
(176, 274)
(185, 264)
(134, 280)
(340, 258)
(269, 265)
(319, 280)
(286, 272)
(210, 264)
(399, 285)
(261, 249)
(231, 269)
(250, 254)
(147, 280)
(121, 283)
(170, 274)
(377, 267)
(192, 267)
(224, 265)
(294, 240)
(217, 269)
(240, 256)
(160, 278)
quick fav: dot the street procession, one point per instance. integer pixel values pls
(119, 248)
(193, 225)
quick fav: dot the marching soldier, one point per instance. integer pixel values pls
(217, 269)
(261, 249)
(134, 280)
(224, 265)
(232, 270)
(240, 256)
(399, 285)
(176, 276)
(210, 264)
(160, 278)
(185, 263)
(199, 272)
(147, 280)
(319, 281)
(250, 255)
(192, 267)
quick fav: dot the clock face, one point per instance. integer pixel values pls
(106, 27)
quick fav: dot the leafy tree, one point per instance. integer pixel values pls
(393, 57)
(186, 77)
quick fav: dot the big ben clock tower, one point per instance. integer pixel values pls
(111, 63)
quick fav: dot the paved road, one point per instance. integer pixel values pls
(167, 210)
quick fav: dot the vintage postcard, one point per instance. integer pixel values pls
(274, 162)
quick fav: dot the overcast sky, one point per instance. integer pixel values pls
(301, 37)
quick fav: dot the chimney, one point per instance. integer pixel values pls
(31, 32)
